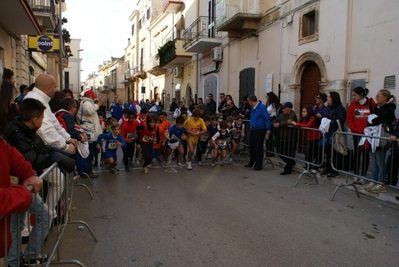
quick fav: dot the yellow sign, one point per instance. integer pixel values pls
(44, 43)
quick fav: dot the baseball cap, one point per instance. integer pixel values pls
(287, 105)
(90, 93)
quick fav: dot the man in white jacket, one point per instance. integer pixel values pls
(52, 134)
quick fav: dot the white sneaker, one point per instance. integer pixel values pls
(179, 165)
(189, 166)
(166, 163)
(231, 160)
(208, 156)
(199, 163)
(137, 162)
(213, 164)
(149, 166)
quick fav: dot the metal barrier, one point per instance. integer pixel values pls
(48, 224)
(356, 163)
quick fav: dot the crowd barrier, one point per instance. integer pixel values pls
(292, 144)
(45, 221)
(359, 163)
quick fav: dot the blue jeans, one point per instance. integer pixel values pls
(37, 236)
(378, 165)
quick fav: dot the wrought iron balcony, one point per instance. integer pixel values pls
(201, 36)
(45, 15)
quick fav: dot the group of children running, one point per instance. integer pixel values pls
(151, 138)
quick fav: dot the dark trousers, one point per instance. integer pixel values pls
(313, 153)
(393, 169)
(89, 159)
(256, 138)
(361, 157)
(201, 149)
(287, 148)
(128, 152)
(146, 150)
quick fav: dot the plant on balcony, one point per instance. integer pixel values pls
(66, 36)
(162, 48)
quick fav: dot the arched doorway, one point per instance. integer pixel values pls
(177, 92)
(188, 94)
(310, 84)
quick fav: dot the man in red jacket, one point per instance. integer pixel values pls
(14, 198)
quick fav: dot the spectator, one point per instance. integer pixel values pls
(212, 104)
(117, 110)
(179, 110)
(210, 108)
(89, 121)
(52, 134)
(385, 111)
(260, 126)
(23, 89)
(191, 105)
(200, 101)
(358, 111)
(273, 106)
(245, 108)
(333, 112)
(231, 107)
(173, 105)
(8, 109)
(154, 108)
(321, 99)
(222, 104)
(55, 101)
(15, 198)
(287, 137)
(393, 158)
(68, 92)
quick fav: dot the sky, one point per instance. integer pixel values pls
(103, 27)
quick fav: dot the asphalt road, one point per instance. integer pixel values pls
(227, 216)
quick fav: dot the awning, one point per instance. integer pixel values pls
(16, 17)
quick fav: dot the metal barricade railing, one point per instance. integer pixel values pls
(362, 162)
(49, 215)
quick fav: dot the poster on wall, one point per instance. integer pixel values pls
(268, 83)
(220, 11)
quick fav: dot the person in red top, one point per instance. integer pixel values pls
(309, 120)
(142, 119)
(14, 198)
(356, 118)
(148, 135)
(164, 126)
(129, 135)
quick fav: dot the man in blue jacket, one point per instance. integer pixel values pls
(259, 126)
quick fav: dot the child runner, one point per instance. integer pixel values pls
(195, 127)
(113, 141)
(142, 119)
(237, 133)
(220, 141)
(129, 134)
(174, 137)
(148, 135)
(212, 129)
(125, 113)
(203, 141)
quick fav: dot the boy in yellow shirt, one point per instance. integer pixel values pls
(195, 127)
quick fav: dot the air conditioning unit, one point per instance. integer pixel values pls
(217, 54)
(178, 72)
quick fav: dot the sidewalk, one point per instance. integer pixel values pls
(389, 196)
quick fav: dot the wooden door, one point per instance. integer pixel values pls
(247, 83)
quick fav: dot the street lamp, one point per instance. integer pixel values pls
(78, 83)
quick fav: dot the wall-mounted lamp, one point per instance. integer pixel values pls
(253, 34)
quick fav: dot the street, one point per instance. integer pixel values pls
(227, 216)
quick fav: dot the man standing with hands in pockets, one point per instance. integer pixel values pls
(259, 127)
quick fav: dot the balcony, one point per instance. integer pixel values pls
(129, 75)
(139, 73)
(237, 23)
(45, 15)
(16, 17)
(171, 6)
(172, 54)
(155, 69)
(200, 36)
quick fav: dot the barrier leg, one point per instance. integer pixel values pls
(88, 227)
(343, 185)
(306, 172)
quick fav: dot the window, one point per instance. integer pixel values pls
(309, 25)
(133, 29)
(148, 13)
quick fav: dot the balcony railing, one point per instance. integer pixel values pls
(168, 53)
(202, 29)
(45, 14)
